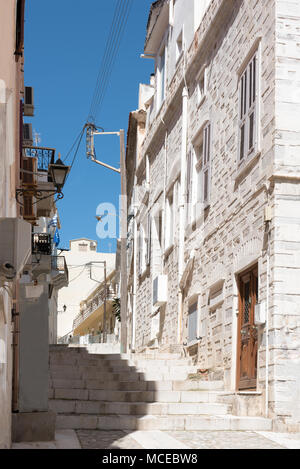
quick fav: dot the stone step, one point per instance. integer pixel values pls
(113, 375)
(61, 406)
(104, 376)
(163, 423)
(141, 385)
(94, 365)
(82, 352)
(189, 397)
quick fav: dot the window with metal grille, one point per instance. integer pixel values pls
(248, 109)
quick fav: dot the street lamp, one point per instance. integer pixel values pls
(58, 173)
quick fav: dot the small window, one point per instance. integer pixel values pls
(169, 222)
(206, 163)
(248, 109)
(179, 46)
(142, 263)
(161, 78)
(83, 247)
(149, 240)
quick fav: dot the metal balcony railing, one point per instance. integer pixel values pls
(45, 156)
(41, 244)
(95, 303)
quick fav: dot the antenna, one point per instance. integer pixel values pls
(37, 138)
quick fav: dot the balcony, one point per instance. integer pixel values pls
(92, 312)
(41, 253)
(59, 272)
(36, 161)
(44, 156)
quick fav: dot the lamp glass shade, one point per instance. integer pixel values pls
(58, 172)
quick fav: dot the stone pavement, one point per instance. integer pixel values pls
(97, 439)
(90, 439)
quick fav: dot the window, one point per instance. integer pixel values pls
(248, 109)
(83, 247)
(159, 228)
(194, 181)
(193, 322)
(142, 250)
(179, 46)
(149, 240)
(169, 222)
(161, 78)
(189, 185)
(145, 244)
(20, 27)
(206, 163)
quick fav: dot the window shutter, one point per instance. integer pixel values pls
(248, 109)
(140, 250)
(189, 184)
(206, 162)
(149, 240)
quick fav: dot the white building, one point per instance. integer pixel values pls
(213, 187)
(86, 269)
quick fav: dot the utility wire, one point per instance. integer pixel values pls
(69, 152)
(119, 22)
(73, 279)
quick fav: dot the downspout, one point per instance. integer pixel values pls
(164, 197)
(134, 272)
(267, 312)
(182, 208)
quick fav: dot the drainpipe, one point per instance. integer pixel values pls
(182, 205)
(267, 311)
(164, 198)
(134, 273)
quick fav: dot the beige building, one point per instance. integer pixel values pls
(11, 88)
(96, 322)
(213, 189)
(86, 270)
(31, 273)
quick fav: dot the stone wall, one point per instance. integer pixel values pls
(231, 235)
(285, 334)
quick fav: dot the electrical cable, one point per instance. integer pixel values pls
(119, 22)
(69, 152)
(73, 279)
(108, 70)
(106, 54)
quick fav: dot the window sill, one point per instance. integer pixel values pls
(245, 166)
(194, 342)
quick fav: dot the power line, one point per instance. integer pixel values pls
(117, 28)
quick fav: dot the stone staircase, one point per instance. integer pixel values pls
(114, 392)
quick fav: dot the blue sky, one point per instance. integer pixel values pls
(64, 44)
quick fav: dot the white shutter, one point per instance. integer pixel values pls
(189, 186)
(140, 244)
(206, 162)
(149, 240)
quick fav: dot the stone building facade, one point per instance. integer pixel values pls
(214, 200)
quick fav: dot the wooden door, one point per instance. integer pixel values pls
(247, 331)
